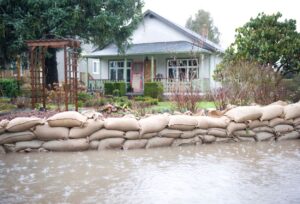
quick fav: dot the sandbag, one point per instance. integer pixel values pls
(135, 144)
(159, 142)
(2, 150)
(13, 137)
(23, 124)
(264, 136)
(92, 114)
(199, 131)
(244, 133)
(67, 119)
(182, 122)
(232, 127)
(225, 140)
(111, 143)
(246, 139)
(34, 144)
(296, 121)
(3, 124)
(297, 127)
(94, 144)
(257, 123)
(207, 139)
(291, 111)
(149, 135)
(244, 113)
(170, 133)
(263, 129)
(187, 134)
(202, 122)
(89, 128)
(283, 128)
(289, 136)
(218, 132)
(271, 111)
(132, 135)
(205, 122)
(152, 124)
(281, 103)
(104, 133)
(67, 145)
(186, 142)
(9, 147)
(45, 132)
(122, 124)
(279, 121)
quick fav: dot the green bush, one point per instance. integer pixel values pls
(109, 88)
(154, 90)
(83, 96)
(9, 87)
(116, 92)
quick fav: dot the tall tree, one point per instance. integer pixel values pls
(270, 41)
(96, 21)
(202, 23)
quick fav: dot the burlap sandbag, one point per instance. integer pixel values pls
(263, 129)
(279, 121)
(244, 113)
(187, 134)
(45, 132)
(170, 133)
(202, 122)
(34, 144)
(9, 147)
(94, 144)
(244, 133)
(281, 103)
(122, 124)
(67, 119)
(2, 150)
(66, 145)
(271, 111)
(104, 133)
(218, 132)
(186, 142)
(205, 122)
(246, 139)
(159, 142)
(23, 124)
(182, 122)
(257, 123)
(13, 137)
(264, 136)
(283, 128)
(199, 131)
(291, 111)
(154, 123)
(225, 140)
(111, 143)
(89, 128)
(232, 127)
(289, 136)
(149, 135)
(207, 139)
(3, 124)
(296, 121)
(132, 135)
(135, 144)
(297, 127)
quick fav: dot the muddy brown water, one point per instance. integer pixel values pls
(265, 172)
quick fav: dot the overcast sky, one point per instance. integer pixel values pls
(227, 14)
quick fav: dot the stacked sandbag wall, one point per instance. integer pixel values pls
(72, 131)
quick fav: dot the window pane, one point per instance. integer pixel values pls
(113, 74)
(120, 74)
(182, 74)
(193, 74)
(120, 64)
(128, 72)
(172, 73)
(112, 64)
(195, 62)
(128, 64)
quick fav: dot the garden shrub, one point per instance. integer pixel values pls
(154, 90)
(83, 96)
(109, 88)
(9, 87)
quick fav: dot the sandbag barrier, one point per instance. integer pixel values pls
(72, 131)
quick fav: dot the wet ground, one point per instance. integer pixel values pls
(220, 173)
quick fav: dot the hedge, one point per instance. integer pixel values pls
(154, 89)
(109, 88)
(9, 87)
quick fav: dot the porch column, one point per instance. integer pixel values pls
(125, 70)
(87, 74)
(152, 68)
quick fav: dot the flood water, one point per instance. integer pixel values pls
(219, 173)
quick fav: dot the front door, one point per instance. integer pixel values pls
(137, 76)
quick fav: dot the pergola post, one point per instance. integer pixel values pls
(66, 78)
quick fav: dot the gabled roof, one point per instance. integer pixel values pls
(175, 47)
(195, 36)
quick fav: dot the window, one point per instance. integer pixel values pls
(116, 70)
(96, 65)
(182, 69)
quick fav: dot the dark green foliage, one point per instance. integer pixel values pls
(9, 87)
(154, 90)
(109, 88)
(83, 96)
(122, 101)
(116, 92)
(148, 100)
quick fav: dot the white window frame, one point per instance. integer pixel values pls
(116, 67)
(96, 64)
(187, 67)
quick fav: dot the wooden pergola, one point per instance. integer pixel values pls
(37, 52)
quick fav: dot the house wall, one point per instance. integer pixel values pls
(152, 30)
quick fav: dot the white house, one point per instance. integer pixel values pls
(160, 51)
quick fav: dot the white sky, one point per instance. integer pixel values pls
(227, 14)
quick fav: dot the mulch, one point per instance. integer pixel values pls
(27, 113)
